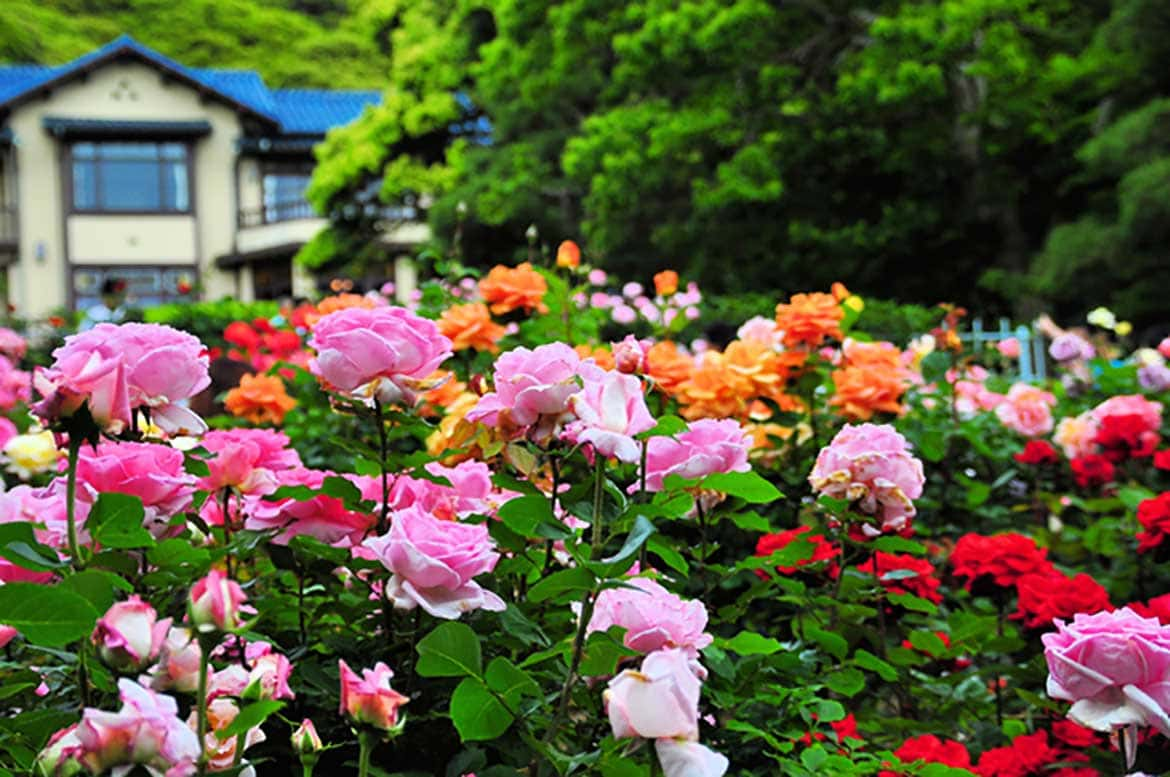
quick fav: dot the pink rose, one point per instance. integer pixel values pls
(1076, 435)
(270, 671)
(470, 491)
(130, 636)
(760, 329)
(7, 634)
(164, 367)
(706, 447)
(533, 386)
(247, 459)
(214, 603)
(871, 466)
(629, 355)
(1164, 347)
(153, 473)
(369, 700)
(15, 385)
(44, 507)
(659, 700)
(683, 758)
(610, 411)
(1113, 667)
(178, 662)
(8, 430)
(1027, 410)
(12, 345)
(1148, 411)
(653, 617)
(87, 370)
(385, 352)
(323, 517)
(1069, 347)
(1009, 348)
(434, 561)
(305, 738)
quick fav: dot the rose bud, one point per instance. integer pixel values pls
(568, 255)
(368, 699)
(305, 739)
(178, 662)
(214, 603)
(629, 356)
(129, 636)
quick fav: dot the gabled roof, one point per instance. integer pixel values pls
(283, 111)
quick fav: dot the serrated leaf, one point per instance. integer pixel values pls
(46, 615)
(477, 714)
(451, 650)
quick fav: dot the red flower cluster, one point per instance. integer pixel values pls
(929, 749)
(1029, 755)
(1162, 459)
(1092, 470)
(1056, 595)
(845, 728)
(1038, 452)
(892, 568)
(1158, 607)
(823, 550)
(1001, 558)
(1154, 516)
(1125, 436)
(262, 345)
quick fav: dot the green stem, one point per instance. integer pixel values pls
(383, 451)
(83, 676)
(365, 750)
(598, 491)
(227, 530)
(205, 648)
(703, 577)
(75, 558)
(571, 677)
(306, 769)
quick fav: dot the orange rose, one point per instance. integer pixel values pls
(260, 399)
(667, 365)
(666, 283)
(871, 380)
(807, 319)
(335, 303)
(714, 391)
(442, 395)
(471, 326)
(507, 289)
(602, 356)
(569, 255)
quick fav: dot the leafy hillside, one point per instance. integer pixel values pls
(323, 43)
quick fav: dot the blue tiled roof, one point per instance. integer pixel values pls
(290, 111)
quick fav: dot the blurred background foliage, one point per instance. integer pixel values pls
(1010, 154)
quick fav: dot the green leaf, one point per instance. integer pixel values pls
(934, 366)
(115, 521)
(341, 488)
(834, 644)
(928, 642)
(892, 544)
(912, 602)
(96, 586)
(515, 624)
(251, 716)
(510, 682)
(748, 486)
(477, 714)
(603, 651)
(45, 614)
(749, 643)
(573, 580)
(847, 682)
(19, 544)
(664, 549)
(532, 516)
(668, 425)
(618, 563)
(451, 650)
(751, 521)
(867, 660)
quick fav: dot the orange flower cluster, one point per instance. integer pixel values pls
(666, 283)
(332, 304)
(601, 355)
(809, 319)
(260, 398)
(872, 379)
(667, 366)
(471, 326)
(507, 289)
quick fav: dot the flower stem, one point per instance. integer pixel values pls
(598, 491)
(383, 452)
(571, 677)
(365, 750)
(75, 558)
(205, 648)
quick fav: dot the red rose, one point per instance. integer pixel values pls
(1154, 516)
(1004, 558)
(1162, 459)
(1055, 595)
(823, 550)
(1126, 435)
(1038, 452)
(1075, 735)
(1092, 470)
(1158, 607)
(845, 728)
(1027, 755)
(241, 335)
(892, 568)
(929, 749)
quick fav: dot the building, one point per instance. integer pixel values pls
(126, 165)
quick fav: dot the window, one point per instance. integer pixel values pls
(284, 195)
(145, 285)
(131, 177)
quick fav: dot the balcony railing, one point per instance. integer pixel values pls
(8, 225)
(276, 212)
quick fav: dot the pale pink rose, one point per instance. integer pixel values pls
(145, 731)
(130, 636)
(629, 355)
(178, 662)
(471, 490)
(305, 738)
(1027, 410)
(221, 753)
(87, 370)
(164, 367)
(434, 561)
(1069, 347)
(324, 517)
(386, 352)
(12, 345)
(369, 700)
(232, 680)
(270, 671)
(1148, 411)
(533, 387)
(597, 277)
(653, 617)
(871, 466)
(760, 329)
(1009, 348)
(153, 473)
(1113, 667)
(684, 758)
(706, 447)
(7, 634)
(632, 289)
(15, 385)
(214, 603)
(44, 507)
(1154, 377)
(610, 411)
(1076, 434)
(624, 314)
(971, 394)
(247, 459)
(659, 700)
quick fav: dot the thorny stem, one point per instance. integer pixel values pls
(383, 452)
(75, 559)
(598, 491)
(205, 647)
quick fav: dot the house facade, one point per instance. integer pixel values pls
(173, 182)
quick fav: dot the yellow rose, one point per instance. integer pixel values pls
(31, 454)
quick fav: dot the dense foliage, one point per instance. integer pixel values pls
(494, 535)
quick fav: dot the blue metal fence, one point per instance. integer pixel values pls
(1031, 363)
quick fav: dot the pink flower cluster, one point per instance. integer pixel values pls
(153, 473)
(660, 701)
(633, 303)
(119, 369)
(653, 617)
(323, 517)
(1027, 410)
(871, 466)
(706, 447)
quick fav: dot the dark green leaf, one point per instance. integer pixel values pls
(45, 614)
(451, 650)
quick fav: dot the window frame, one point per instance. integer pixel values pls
(284, 168)
(100, 210)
